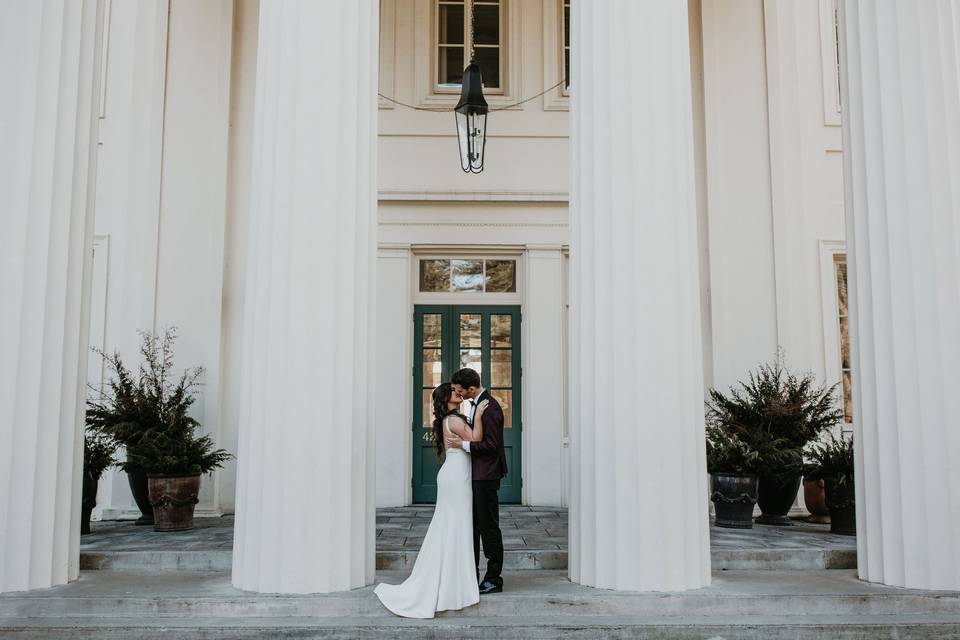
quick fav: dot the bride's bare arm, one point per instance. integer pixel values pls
(459, 427)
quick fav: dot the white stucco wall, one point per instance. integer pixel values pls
(172, 202)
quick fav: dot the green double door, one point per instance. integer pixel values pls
(447, 338)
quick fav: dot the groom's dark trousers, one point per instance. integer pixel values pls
(486, 527)
(489, 465)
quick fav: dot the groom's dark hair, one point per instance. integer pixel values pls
(466, 378)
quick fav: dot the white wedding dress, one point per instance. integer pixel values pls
(444, 576)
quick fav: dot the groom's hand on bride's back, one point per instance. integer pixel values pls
(452, 441)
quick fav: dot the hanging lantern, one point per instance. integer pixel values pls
(471, 115)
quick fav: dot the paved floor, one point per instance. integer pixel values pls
(402, 529)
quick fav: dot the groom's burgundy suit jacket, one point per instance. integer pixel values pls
(488, 456)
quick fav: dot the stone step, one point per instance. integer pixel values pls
(536, 604)
(514, 560)
(549, 593)
(853, 627)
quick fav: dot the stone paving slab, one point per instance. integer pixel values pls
(534, 538)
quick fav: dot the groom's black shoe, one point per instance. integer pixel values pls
(489, 587)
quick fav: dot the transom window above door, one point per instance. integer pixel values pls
(455, 38)
(465, 275)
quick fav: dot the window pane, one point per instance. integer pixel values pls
(500, 326)
(451, 24)
(842, 287)
(432, 336)
(432, 368)
(467, 275)
(450, 68)
(501, 276)
(427, 409)
(566, 67)
(844, 343)
(434, 275)
(505, 398)
(470, 330)
(566, 24)
(486, 26)
(501, 368)
(471, 358)
(489, 60)
(847, 398)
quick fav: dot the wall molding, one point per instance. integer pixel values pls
(472, 196)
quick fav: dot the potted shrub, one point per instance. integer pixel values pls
(152, 420)
(732, 464)
(98, 452)
(123, 411)
(833, 463)
(777, 413)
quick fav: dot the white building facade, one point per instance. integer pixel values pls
(665, 224)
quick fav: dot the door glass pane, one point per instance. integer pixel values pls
(471, 358)
(432, 368)
(501, 368)
(500, 331)
(505, 398)
(427, 409)
(434, 275)
(432, 328)
(467, 275)
(501, 276)
(470, 330)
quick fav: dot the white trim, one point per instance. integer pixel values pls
(829, 250)
(829, 64)
(558, 98)
(388, 53)
(472, 196)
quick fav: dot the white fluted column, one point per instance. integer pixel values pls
(901, 67)
(49, 79)
(638, 508)
(305, 484)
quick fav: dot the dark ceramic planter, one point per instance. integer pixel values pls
(816, 501)
(733, 498)
(88, 501)
(841, 499)
(174, 499)
(141, 495)
(775, 498)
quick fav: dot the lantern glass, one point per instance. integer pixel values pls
(471, 136)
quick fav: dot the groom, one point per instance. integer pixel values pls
(489, 465)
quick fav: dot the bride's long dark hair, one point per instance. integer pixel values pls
(441, 396)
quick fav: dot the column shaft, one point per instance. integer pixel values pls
(49, 79)
(901, 76)
(305, 501)
(638, 509)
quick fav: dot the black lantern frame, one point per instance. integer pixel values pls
(471, 116)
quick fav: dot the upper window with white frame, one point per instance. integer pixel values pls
(456, 39)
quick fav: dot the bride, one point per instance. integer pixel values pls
(444, 576)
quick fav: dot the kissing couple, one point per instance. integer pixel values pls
(446, 575)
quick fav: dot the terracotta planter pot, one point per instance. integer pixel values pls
(775, 498)
(843, 507)
(816, 501)
(174, 499)
(733, 498)
(88, 501)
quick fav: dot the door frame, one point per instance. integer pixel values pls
(450, 336)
